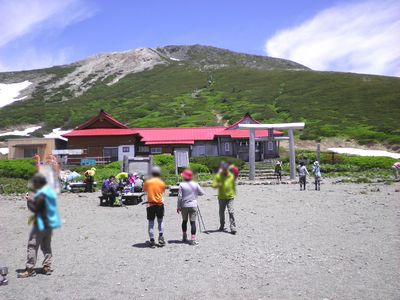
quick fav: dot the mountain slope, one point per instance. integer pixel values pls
(196, 85)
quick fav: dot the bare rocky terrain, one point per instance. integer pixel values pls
(340, 243)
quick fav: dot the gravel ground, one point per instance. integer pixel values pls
(340, 243)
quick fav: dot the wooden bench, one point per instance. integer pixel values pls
(77, 187)
(132, 198)
(173, 190)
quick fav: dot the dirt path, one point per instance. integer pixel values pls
(340, 243)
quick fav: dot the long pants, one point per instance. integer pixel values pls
(160, 228)
(43, 239)
(223, 204)
(89, 185)
(303, 181)
(396, 173)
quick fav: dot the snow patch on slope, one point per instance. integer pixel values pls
(364, 152)
(9, 92)
(24, 132)
(57, 134)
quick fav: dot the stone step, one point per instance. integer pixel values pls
(259, 178)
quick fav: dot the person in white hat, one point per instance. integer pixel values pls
(316, 170)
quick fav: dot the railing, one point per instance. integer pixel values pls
(88, 161)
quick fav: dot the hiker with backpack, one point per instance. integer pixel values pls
(225, 182)
(187, 204)
(316, 171)
(396, 170)
(278, 171)
(46, 218)
(303, 172)
(155, 188)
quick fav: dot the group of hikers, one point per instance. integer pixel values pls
(303, 172)
(187, 206)
(123, 182)
(46, 218)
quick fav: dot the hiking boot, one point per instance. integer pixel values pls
(27, 273)
(47, 270)
(161, 241)
(151, 243)
(233, 231)
(193, 243)
(184, 237)
(221, 228)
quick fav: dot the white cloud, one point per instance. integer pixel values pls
(27, 19)
(360, 37)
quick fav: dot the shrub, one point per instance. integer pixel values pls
(163, 160)
(17, 168)
(369, 162)
(199, 168)
(13, 185)
(213, 162)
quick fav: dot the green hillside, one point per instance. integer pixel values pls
(188, 93)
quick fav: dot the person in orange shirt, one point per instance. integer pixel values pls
(155, 188)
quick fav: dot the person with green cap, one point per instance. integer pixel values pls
(225, 182)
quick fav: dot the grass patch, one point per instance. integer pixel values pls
(13, 185)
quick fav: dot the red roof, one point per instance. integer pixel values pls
(100, 132)
(175, 142)
(246, 116)
(171, 136)
(153, 136)
(102, 116)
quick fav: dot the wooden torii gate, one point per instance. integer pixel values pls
(252, 143)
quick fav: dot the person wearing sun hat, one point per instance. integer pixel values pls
(188, 193)
(316, 171)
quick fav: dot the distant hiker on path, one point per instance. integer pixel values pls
(155, 188)
(187, 204)
(316, 170)
(89, 180)
(225, 183)
(303, 172)
(45, 219)
(396, 170)
(278, 171)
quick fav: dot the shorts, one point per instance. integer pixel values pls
(189, 213)
(155, 210)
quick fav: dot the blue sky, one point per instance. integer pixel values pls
(323, 34)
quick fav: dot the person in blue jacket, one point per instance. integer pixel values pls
(46, 218)
(316, 171)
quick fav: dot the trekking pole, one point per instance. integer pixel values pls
(198, 219)
(201, 218)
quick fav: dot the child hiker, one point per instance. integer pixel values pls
(316, 170)
(45, 219)
(303, 172)
(225, 183)
(187, 204)
(155, 188)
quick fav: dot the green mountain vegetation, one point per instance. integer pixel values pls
(203, 86)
